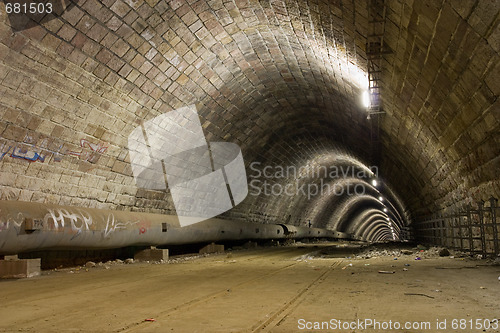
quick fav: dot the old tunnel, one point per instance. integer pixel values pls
(284, 80)
(345, 154)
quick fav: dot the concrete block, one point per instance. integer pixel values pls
(212, 248)
(11, 257)
(21, 268)
(152, 255)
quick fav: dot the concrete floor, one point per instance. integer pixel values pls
(277, 289)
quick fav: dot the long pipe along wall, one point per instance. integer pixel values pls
(26, 226)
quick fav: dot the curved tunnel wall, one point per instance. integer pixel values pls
(281, 79)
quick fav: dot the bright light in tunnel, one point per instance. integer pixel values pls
(366, 99)
(374, 182)
(355, 74)
(381, 198)
(385, 210)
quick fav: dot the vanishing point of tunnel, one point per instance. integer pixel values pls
(296, 146)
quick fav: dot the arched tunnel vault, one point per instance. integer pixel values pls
(282, 79)
(364, 220)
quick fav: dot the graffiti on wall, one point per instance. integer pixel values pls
(61, 217)
(90, 151)
(6, 222)
(79, 221)
(22, 152)
(144, 226)
(32, 151)
(112, 225)
(73, 221)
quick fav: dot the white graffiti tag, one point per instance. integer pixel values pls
(62, 217)
(16, 222)
(112, 225)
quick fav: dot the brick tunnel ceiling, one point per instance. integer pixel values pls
(282, 79)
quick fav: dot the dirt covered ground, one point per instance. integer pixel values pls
(320, 287)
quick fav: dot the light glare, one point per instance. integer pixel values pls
(366, 99)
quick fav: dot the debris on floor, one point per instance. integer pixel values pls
(418, 294)
(90, 264)
(444, 252)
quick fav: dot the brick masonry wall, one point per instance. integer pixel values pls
(441, 93)
(278, 78)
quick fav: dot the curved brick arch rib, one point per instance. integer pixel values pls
(365, 220)
(382, 235)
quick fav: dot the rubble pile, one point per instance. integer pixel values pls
(420, 251)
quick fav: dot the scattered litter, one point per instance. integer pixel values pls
(405, 269)
(129, 261)
(395, 258)
(437, 290)
(418, 258)
(350, 265)
(407, 264)
(386, 272)
(482, 287)
(417, 294)
(499, 278)
(369, 265)
(149, 319)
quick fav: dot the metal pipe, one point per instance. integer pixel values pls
(29, 226)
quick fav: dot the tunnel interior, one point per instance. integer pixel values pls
(283, 80)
